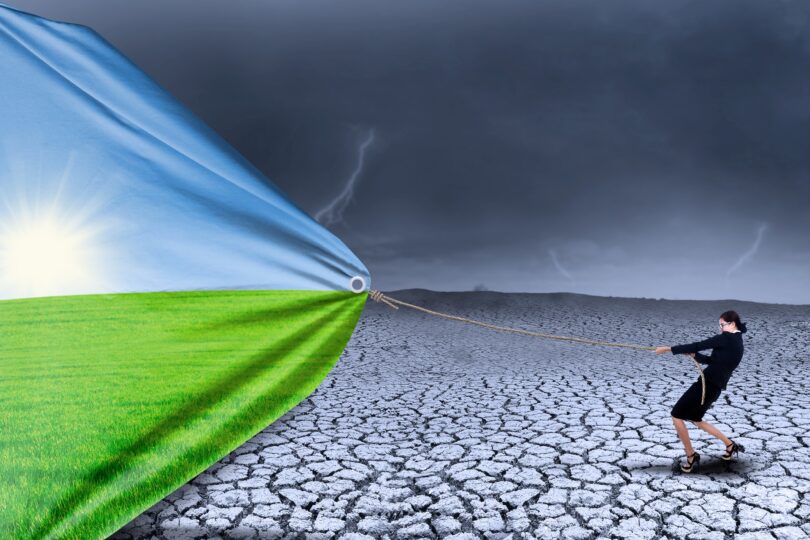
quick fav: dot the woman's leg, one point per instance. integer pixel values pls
(711, 430)
(683, 434)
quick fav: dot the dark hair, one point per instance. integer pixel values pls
(732, 316)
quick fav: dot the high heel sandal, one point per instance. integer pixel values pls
(692, 462)
(731, 449)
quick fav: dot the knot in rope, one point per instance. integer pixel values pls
(377, 296)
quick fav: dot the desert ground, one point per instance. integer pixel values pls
(430, 428)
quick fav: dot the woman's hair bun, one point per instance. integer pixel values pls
(733, 316)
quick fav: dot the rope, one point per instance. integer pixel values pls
(377, 296)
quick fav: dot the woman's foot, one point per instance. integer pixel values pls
(692, 462)
(731, 449)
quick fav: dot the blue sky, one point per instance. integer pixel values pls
(110, 185)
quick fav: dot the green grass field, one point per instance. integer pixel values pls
(108, 403)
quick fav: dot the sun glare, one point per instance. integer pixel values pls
(46, 256)
(55, 227)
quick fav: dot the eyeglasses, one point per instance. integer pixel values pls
(722, 324)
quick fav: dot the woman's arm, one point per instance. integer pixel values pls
(702, 358)
(711, 343)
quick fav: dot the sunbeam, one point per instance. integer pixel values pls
(48, 245)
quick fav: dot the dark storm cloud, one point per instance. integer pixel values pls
(645, 144)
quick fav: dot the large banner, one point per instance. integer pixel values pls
(161, 301)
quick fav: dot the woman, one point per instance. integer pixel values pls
(727, 351)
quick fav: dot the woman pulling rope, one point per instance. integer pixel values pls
(727, 351)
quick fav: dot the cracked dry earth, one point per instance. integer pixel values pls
(430, 428)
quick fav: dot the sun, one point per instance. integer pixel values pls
(57, 234)
(47, 254)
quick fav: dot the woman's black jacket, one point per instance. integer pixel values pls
(727, 351)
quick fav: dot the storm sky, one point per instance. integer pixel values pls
(643, 149)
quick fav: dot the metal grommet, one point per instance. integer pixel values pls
(357, 284)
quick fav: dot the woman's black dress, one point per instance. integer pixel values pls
(688, 407)
(727, 351)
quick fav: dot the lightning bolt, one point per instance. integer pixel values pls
(750, 253)
(559, 267)
(333, 212)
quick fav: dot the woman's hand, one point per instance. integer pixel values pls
(662, 350)
(692, 354)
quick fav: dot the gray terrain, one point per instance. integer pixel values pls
(431, 428)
